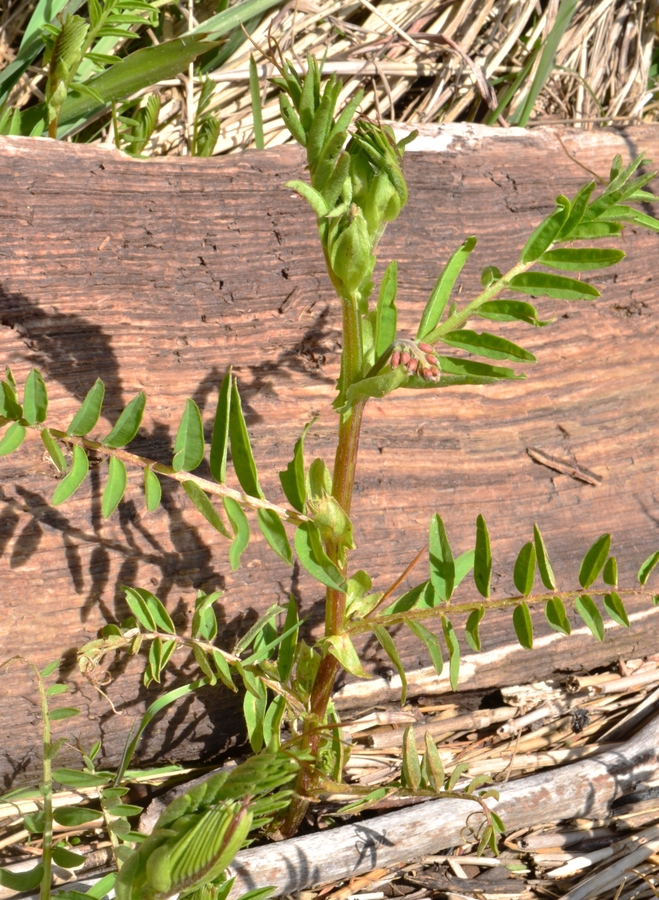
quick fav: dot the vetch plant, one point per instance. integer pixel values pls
(356, 187)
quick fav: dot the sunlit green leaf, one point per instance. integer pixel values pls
(545, 234)
(87, 416)
(115, 487)
(310, 552)
(21, 881)
(12, 438)
(343, 649)
(433, 768)
(442, 290)
(74, 816)
(557, 617)
(240, 526)
(466, 371)
(510, 311)
(35, 398)
(646, 568)
(430, 640)
(594, 560)
(591, 615)
(589, 231)
(546, 571)
(616, 609)
(387, 643)
(577, 210)
(53, 449)
(241, 449)
(411, 770)
(205, 506)
(77, 474)
(442, 564)
(453, 647)
(10, 408)
(128, 423)
(490, 345)
(543, 284)
(286, 655)
(610, 573)
(74, 778)
(523, 625)
(152, 489)
(292, 478)
(189, 444)
(385, 313)
(524, 571)
(482, 558)
(581, 259)
(274, 532)
(64, 712)
(220, 439)
(472, 635)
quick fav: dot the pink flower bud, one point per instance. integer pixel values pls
(405, 357)
(395, 359)
(426, 348)
(412, 365)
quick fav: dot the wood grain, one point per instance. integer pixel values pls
(158, 275)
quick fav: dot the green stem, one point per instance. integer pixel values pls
(46, 788)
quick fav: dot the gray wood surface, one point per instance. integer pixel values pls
(158, 275)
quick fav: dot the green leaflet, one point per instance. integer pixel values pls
(490, 345)
(442, 564)
(77, 474)
(411, 770)
(286, 655)
(22, 881)
(343, 649)
(557, 617)
(274, 532)
(590, 231)
(53, 449)
(524, 571)
(241, 532)
(152, 489)
(189, 444)
(472, 635)
(646, 568)
(320, 480)
(385, 314)
(464, 371)
(453, 647)
(291, 120)
(581, 259)
(35, 398)
(9, 405)
(610, 573)
(523, 625)
(72, 816)
(591, 615)
(578, 208)
(205, 506)
(546, 233)
(257, 111)
(432, 765)
(442, 291)
(544, 566)
(310, 552)
(292, 478)
(510, 311)
(482, 558)
(87, 416)
(241, 449)
(594, 560)
(542, 284)
(74, 778)
(315, 199)
(430, 640)
(204, 620)
(220, 439)
(616, 609)
(255, 702)
(387, 643)
(148, 610)
(127, 424)
(12, 438)
(115, 487)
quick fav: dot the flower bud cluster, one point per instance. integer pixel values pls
(418, 359)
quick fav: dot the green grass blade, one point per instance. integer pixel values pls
(257, 108)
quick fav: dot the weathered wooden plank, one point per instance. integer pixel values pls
(157, 275)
